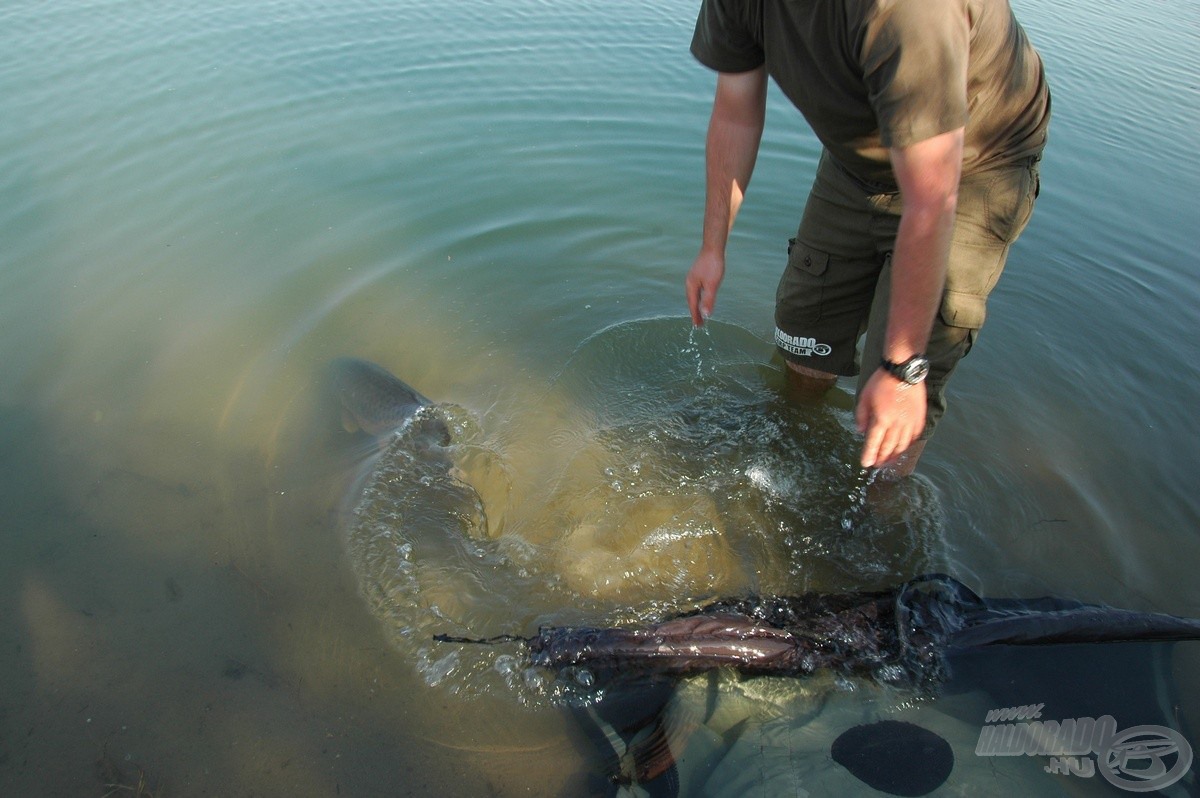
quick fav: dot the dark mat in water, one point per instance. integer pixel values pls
(895, 757)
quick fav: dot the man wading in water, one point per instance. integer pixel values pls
(933, 115)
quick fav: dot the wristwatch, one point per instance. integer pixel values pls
(913, 371)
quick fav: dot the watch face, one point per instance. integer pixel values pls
(915, 370)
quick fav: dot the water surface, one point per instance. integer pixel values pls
(202, 205)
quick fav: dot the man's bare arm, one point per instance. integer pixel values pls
(928, 173)
(734, 132)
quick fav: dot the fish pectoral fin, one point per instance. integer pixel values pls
(651, 756)
(654, 754)
(349, 422)
(734, 732)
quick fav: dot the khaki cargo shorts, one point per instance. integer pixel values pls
(836, 284)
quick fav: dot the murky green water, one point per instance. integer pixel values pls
(201, 205)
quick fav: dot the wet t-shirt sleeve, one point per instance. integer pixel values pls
(914, 60)
(728, 35)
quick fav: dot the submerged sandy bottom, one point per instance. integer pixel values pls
(180, 619)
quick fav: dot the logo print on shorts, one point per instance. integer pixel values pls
(805, 347)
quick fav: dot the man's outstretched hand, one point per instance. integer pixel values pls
(891, 415)
(702, 283)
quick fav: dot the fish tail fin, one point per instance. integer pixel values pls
(485, 641)
(372, 399)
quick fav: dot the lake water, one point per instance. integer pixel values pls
(203, 204)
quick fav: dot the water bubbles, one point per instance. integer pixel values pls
(437, 672)
(460, 422)
(857, 497)
(890, 674)
(696, 348)
(534, 680)
(509, 668)
(576, 677)
(759, 477)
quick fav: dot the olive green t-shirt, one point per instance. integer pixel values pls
(872, 74)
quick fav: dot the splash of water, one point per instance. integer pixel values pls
(684, 475)
(699, 343)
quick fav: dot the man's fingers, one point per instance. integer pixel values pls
(889, 419)
(894, 445)
(862, 418)
(700, 303)
(884, 443)
(693, 300)
(870, 454)
(702, 283)
(887, 446)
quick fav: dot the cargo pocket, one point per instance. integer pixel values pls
(963, 310)
(1010, 201)
(798, 297)
(952, 338)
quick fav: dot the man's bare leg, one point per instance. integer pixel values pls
(809, 384)
(903, 465)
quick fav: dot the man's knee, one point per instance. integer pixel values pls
(809, 382)
(815, 374)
